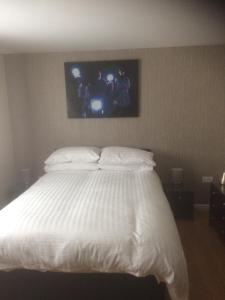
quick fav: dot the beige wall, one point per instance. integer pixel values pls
(21, 122)
(6, 142)
(182, 117)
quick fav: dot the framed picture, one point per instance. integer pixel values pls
(102, 89)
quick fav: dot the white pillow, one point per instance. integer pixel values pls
(130, 167)
(125, 155)
(71, 167)
(74, 154)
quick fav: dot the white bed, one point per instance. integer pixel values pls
(95, 221)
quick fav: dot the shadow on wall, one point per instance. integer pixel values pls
(165, 162)
(192, 179)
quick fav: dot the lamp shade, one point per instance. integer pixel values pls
(25, 177)
(177, 176)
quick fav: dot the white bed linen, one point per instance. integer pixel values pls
(95, 221)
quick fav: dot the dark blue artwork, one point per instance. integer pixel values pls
(102, 89)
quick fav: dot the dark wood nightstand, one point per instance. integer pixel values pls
(217, 207)
(181, 201)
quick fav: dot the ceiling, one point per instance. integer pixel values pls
(28, 26)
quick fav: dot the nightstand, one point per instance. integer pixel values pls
(181, 201)
(217, 207)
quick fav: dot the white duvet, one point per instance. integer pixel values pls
(95, 221)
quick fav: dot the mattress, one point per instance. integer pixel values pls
(95, 221)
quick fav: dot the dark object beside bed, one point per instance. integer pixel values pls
(33, 285)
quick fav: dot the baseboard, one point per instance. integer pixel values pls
(201, 206)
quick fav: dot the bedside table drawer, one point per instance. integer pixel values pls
(217, 208)
(216, 198)
(181, 203)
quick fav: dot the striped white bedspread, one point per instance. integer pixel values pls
(95, 221)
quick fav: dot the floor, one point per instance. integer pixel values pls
(205, 254)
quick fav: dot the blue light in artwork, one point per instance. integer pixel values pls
(76, 72)
(96, 104)
(110, 77)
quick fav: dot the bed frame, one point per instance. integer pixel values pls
(34, 285)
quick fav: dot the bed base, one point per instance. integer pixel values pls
(33, 285)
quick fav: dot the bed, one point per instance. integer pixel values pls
(107, 226)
